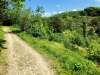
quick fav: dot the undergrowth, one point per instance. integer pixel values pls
(65, 60)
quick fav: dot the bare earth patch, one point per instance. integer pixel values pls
(22, 59)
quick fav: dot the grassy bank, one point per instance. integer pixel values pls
(3, 63)
(64, 60)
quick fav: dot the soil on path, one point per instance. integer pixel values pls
(22, 59)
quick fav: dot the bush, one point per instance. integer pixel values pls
(91, 31)
(79, 40)
(58, 37)
(70, 39)
(94, 55)
(87, 42)
(58, 24)
(39, 31)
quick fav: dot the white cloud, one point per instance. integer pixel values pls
(60, 11)
(58, 6)
(97, 0)
(54, 12)
(74, 10)
(47, 14)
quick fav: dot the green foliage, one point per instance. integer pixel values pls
(94, 55)
(3, 7)
(91, 31)
(84, 27)
(58, 24)
(39, 10)
(61, 38)
(82, 12)
(1, 39)
(3, 62)
(98, 31)
(20, 17)
(65, 60)
(69, 24)
(39, 31)
(69, 38)
(79, 40)
(17, 5)
(92, 11)
(74, 14)
(87, 42)
(94, 51)
(19, 0)
(36, 30)
(24, 18)
(1, 33)
(24, 21)
(57, 37)
(95, 23)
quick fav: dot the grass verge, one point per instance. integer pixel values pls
(3, 63)
(65, 61)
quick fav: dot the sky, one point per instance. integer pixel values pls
(52, 7)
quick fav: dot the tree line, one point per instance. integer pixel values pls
(27, 19)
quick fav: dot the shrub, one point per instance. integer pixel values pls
(91, 31)
(87, 42)
(58, 24)
(94, 55)
(39, 31)
(79, 40)
(58, 37)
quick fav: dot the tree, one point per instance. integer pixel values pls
(69, 22)
(82, 12)
(74, 14)
(94, 22)
(39, 10)
(92, 11)
(17, 15)
(58, 24)
(84, 28)
(17, 5)
(3, 7)
(18, 0)
(24, 19)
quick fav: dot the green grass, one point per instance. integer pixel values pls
(3, 62)
(64, 60)
(2, 41)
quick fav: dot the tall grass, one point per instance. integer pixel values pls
(64, 60)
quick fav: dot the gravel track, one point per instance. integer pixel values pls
(22, 59)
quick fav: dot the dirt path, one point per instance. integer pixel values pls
(22, 59)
